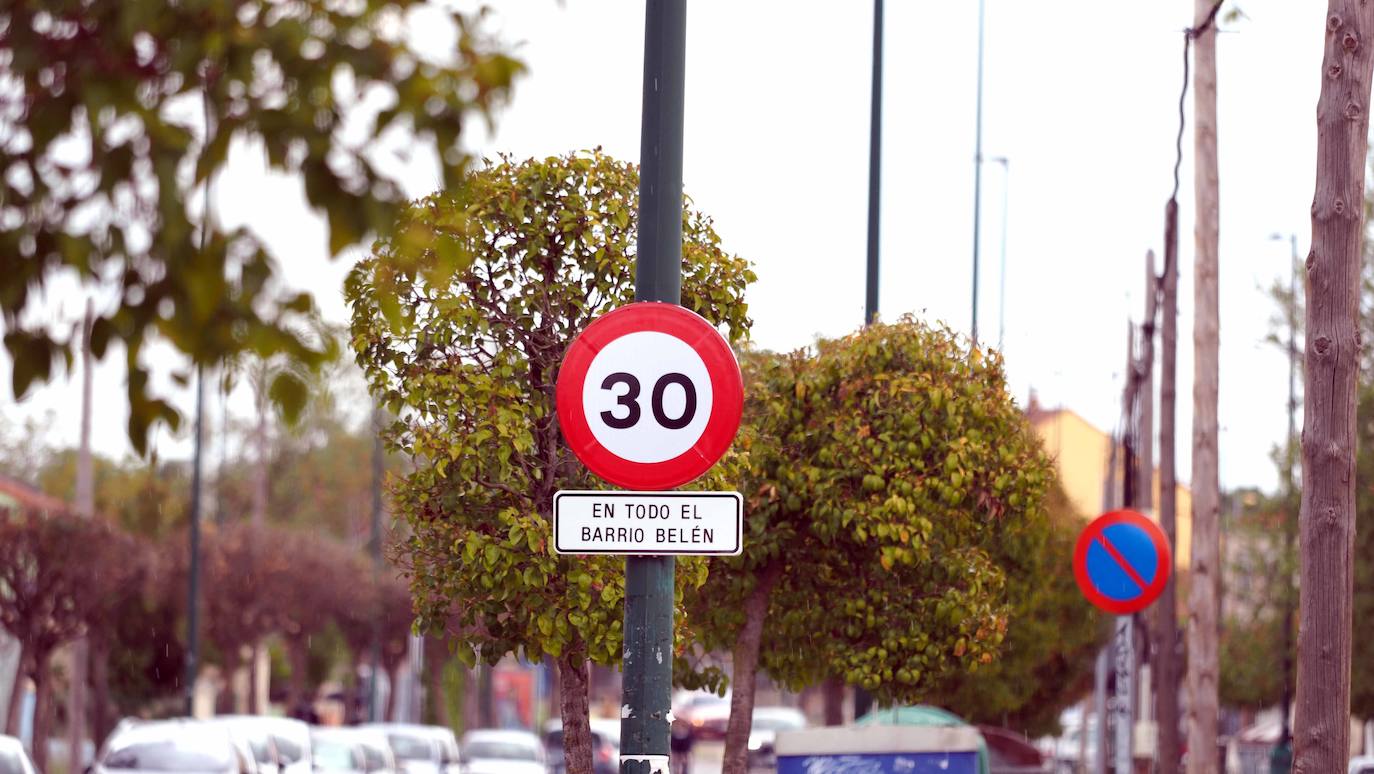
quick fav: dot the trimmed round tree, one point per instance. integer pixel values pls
(460, 322)
(879, 463)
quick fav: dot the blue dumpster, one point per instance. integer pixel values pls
(879, 749)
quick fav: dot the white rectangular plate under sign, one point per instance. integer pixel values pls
(647, 523)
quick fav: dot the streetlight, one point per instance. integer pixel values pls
(1281, 758)
(977, 172)
(1002, 273)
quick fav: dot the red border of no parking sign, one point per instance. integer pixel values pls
(727, 395)
(1093, 532)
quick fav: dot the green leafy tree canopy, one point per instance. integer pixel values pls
(878, 466)
(103, 139)
(468, 361)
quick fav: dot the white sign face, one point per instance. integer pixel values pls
(644, 523)
(647, 397)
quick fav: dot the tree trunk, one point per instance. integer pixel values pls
(16, 694)
(577, 732)
(228, 700)
(260, 472)
(41, 716)
(1166, 645)
(257, 699)
(486, 711)
(436, 658)
(102, 719)
(745, 663)
(393, 679)
(832, 691)
(1332, 355)
(299, 656)
(1202, 602)
(471, 711)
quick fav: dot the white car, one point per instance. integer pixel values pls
(184, 746)
(377, 755)
(420, 749)
(13, 759)
(502, 752)
(333, 749)
(1363, 764)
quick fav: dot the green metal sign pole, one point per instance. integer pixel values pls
(648, 655)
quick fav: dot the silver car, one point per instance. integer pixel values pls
(289, 739)
(502, 752)
(376, 750)
(185, 746)
(420, 749)
(13, 759)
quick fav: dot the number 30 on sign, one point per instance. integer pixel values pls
(649, 396)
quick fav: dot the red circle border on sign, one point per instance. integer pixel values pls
(727, 395)
(1152, 591)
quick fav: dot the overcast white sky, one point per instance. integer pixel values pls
(1080, 95)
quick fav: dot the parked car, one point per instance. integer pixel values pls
(420, 749)
(502, 752)
(1363, 764)
(377, 755)
(332, 749)
(605, 746)
(767, 722)
(702, 716)
(184, 746)
(13, 759)
(289, 739)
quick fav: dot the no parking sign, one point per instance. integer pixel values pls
(1122, 562)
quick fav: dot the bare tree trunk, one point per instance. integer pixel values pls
(1203, 603)
(260, 471)
(102, 720)
(1333, 343)
(393, 679)
(745, 668)
(1166, 654)
(436, 658)
(832, 691)
(299, 656)
(41, 715)
(577, 732)
(16, 693)
(471, 710)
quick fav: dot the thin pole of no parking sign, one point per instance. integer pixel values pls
(648, 680)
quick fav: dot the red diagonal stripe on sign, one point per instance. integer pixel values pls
(1121, 560)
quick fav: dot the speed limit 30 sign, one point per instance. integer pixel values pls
(649, 396)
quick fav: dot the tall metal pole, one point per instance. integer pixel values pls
(1002, 272)
(193, 586)
(85, 506)
(977, 171)
(863, 700)
(875, 155)
(648, 663)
